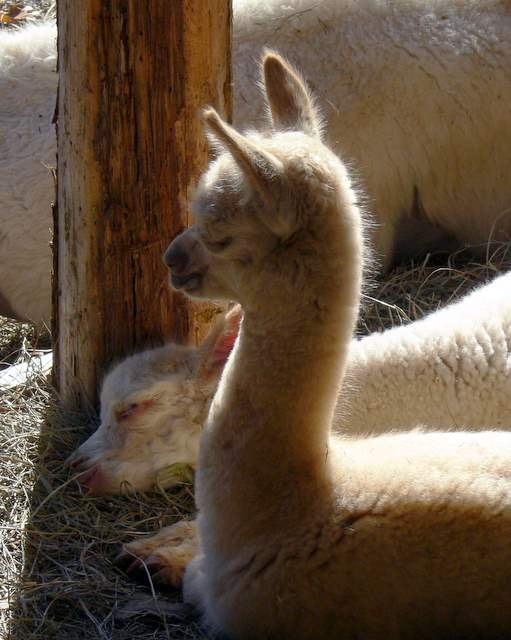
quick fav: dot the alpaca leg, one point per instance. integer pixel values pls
(193, 582)
(165, 555)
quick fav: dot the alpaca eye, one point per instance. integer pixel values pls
(217, 245)
(128, 411)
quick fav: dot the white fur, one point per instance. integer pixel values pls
(153, 406)
(451, 370)
(418, 99)
(28, 84)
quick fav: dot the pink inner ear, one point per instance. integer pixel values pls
(216, 350)
(223, 346)
(136, 408)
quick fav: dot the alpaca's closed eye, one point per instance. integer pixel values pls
(218, 245)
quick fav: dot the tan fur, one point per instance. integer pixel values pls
(170, 551)
(304, 535)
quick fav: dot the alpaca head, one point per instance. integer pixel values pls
(255, 205)
(153, 405)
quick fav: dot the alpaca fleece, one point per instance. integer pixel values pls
(418, 100)
(301, 533)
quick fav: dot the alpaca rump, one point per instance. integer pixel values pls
(400, 536)
(418, 100)
(451, 370)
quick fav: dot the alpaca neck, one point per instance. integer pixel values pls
(268, 429)
(294, 376)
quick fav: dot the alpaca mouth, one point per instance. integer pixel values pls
(188, 283)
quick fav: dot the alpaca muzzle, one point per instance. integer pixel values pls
(185, 260)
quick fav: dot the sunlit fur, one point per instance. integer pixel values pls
(454, 368)
(153, 406)
(28, 90)
(303, 534)
(451, 370)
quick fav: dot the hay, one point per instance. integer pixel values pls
(17, 338)
(58, 546)
(413, 290)
(26, 11)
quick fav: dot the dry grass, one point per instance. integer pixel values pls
(30, 10)
(58, 546)
(413, 290)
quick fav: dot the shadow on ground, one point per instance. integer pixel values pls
(62, 583)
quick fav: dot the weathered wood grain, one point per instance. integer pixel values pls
(133, 76)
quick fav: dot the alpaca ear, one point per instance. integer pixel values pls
(290, 103)
(261, 168)
(216, 348)
(264, 171)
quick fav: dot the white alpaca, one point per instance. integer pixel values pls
(301, 534)
(28, 84)
(418, 98)
(451, 370)
(153, 406)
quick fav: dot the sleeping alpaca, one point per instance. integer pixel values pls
(451, 370)
(153, 406)
(302, 534)
(402, 82)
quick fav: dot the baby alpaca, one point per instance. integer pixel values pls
(303, 535)
(153, 406)
(451, 370)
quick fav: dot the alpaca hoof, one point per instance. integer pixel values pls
(162, 558)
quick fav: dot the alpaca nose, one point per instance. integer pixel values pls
(176, 258)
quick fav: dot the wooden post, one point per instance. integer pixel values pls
(133, 76)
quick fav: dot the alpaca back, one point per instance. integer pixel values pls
(450, 370)
(28, 85)
(417, 97)
(404, 85)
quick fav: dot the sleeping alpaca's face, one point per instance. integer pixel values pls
(153, 405)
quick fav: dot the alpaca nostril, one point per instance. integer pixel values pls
(175, 258)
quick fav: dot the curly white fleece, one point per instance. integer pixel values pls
(28, 85)
(417, 97)
(450, 370)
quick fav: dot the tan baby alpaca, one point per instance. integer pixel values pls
(303, 534)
